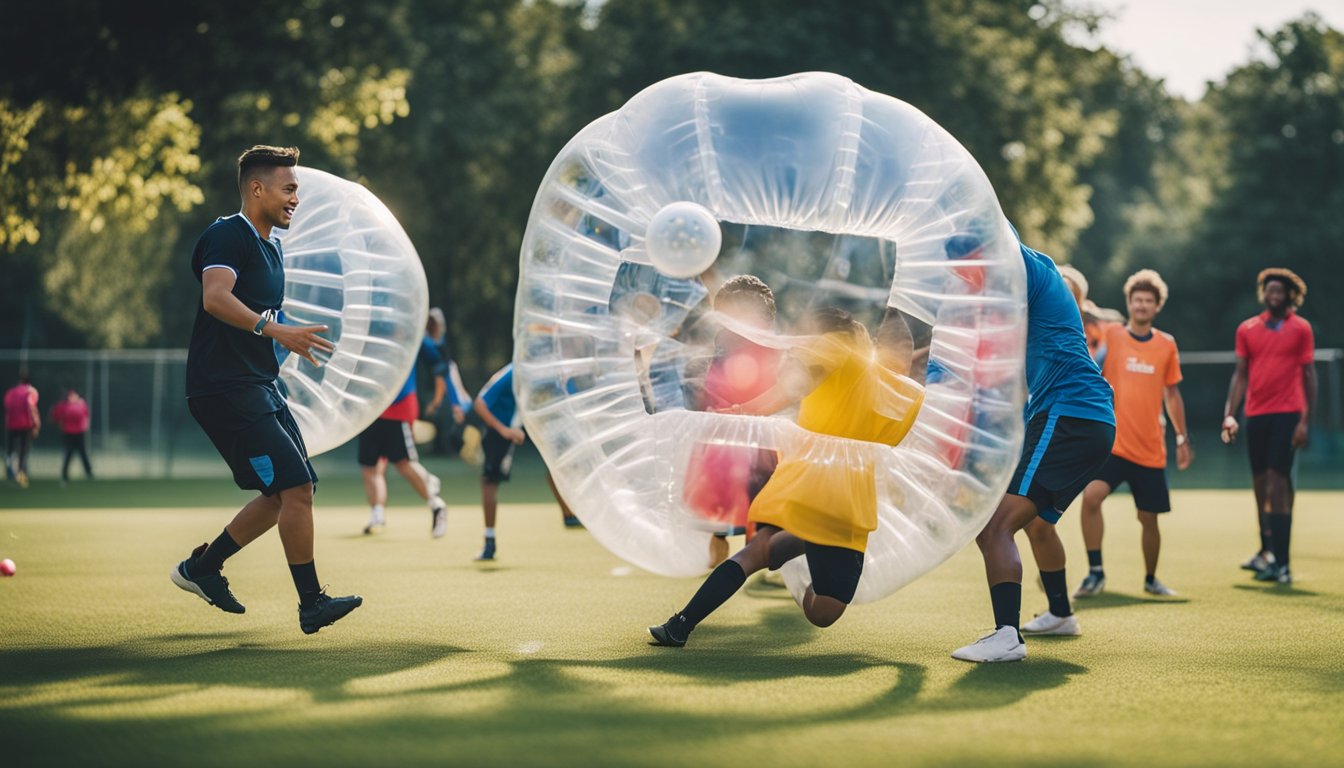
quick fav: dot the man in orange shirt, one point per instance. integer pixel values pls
(1144, 368)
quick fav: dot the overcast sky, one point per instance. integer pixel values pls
(1187, 42)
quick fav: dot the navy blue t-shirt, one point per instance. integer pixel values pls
(221, 357)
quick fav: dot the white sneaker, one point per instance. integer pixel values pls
(1049, 624)
(440, 521)
(376, 523)
(1158, 588)
(1003, 644)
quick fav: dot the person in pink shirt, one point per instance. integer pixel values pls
(21, 426)
(1277, 376)
(72, 416)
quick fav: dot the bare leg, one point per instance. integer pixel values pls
(375, 483)
(1002, 560)
(255, 518)
(296, 523)
(1046, 545)
(718, 550)
(489, 501)
(564, 508)
(1094, 526)
(821, 610)
(1151, 539)
(416, 475)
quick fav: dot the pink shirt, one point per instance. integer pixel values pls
(20, 405)
(72, 415)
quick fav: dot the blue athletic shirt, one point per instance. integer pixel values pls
(429, 357)
(1062, 378)
(220, 357)
(498, 396)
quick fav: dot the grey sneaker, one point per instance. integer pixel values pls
(1278, 573)
(1156, 587)
(1093, 583)
(1258, 562)
(213, 588)
(440, 526)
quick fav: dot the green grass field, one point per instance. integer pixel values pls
(541, 658)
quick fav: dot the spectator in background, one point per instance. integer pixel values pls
(72, 416)
(21, 426)
(1276, 374)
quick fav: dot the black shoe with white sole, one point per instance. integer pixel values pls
(213, 588)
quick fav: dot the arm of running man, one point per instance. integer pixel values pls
(1235, 392)
(517, 436)
(1309, 389)
(1176, 415)
(218, 299)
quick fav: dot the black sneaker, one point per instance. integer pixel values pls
(213, 588)
(326, 611)
(1275, 572)
(671, 633)
(488, 553)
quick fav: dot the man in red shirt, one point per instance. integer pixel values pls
(21, 426)
(1275, 374)
(72, 416)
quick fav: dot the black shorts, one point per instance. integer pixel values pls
(498, 451)
(1060, 456)
(254, 431)
(835, 570)
(1269, 440)
(1147, 484)
(386, 439)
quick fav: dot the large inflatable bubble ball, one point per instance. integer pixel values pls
(847, 358)
(349, 265)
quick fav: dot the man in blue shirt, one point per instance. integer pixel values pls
(1070, 429)
(232, 393)
(496, 406)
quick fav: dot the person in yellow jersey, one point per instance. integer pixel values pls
(821, 501)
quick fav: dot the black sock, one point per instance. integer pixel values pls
(1150, 578)
(721, 584)
(1007, 600)
(1281, 532)
(1057, 592)
(305, 581)
(1266, 545)
(212, 560)
(1094, 559)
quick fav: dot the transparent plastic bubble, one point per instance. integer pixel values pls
(669, 404)
(683, 240)
(349, 266)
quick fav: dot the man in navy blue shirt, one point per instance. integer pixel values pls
(1070, 430)
(497, 407)
(232, 393)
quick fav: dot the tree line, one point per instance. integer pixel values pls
(120, 124)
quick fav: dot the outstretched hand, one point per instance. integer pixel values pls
(302, 340)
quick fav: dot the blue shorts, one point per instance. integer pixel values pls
(1147, 484)
(253, 430)
(1060, 456)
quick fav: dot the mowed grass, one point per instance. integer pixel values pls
(541, 658)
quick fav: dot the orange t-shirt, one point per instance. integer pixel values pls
(1140, 372)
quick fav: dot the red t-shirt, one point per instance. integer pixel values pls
(20, 403)
(1274, 357)
(72, 416)
(406, 409)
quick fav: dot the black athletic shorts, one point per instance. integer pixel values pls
(835, 570)
(1060, 456)
(1269, 439)
(1147, 484)
(498, 451)
(386, 439)
(254, 431)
